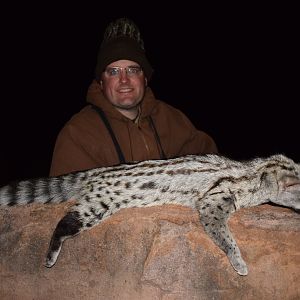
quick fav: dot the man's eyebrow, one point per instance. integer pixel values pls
(131, 66)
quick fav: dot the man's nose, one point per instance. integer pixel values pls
(123, 75)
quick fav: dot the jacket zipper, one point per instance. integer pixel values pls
(145, 142)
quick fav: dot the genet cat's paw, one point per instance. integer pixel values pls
(51, 259)
(238, 264)
(49, 263)
(241, 269)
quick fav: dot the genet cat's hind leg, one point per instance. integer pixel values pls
(70, 225)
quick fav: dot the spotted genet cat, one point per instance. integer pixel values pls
(214, 185)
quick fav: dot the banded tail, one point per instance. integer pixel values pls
(41, 190)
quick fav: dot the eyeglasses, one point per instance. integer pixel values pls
(130, 71)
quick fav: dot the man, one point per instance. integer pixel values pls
(123, 122)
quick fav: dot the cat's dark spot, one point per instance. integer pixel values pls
(148, 185)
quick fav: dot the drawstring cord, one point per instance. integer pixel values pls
(115, 141)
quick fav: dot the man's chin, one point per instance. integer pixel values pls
(127, 106)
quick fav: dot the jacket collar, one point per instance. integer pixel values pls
(96, 97)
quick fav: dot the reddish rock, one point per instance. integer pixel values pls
(149, 253)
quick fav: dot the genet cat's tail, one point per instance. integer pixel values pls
(41, 190)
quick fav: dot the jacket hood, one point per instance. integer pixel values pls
(96, 97)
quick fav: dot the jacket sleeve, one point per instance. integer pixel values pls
(68, 155)
(199, 143)
(182, 136)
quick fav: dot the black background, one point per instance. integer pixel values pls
(233, 70)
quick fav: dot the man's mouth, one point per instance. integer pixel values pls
(125, 90)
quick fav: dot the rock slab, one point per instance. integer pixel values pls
(149, 253)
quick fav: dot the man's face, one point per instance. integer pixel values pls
(123, 84)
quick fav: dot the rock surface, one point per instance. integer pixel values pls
(149, 253)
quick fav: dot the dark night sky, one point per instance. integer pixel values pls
(233, 72)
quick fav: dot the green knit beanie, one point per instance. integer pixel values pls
(122, 40)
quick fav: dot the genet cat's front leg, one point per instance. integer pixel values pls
(214, 215)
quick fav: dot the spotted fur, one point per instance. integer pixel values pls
(214, 185)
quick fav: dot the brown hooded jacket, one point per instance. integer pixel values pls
(85, 142)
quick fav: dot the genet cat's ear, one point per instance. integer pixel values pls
(290, 182)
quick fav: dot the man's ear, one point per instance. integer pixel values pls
(146, 81)
(101, 84)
